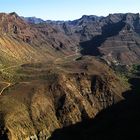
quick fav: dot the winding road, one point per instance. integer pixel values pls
(8, 85)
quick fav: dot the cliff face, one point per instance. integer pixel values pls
(115, 38)
(22, 43)
(34, 108)
(120, 121)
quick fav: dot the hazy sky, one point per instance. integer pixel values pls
(68, 9)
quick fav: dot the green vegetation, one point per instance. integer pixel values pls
(135, 68)
(123, 73)
(28, 72)
(126, 73)
(8, 73)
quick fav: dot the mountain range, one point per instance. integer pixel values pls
(58, 76)
(115, 38)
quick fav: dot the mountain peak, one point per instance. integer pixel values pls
(13, 14)
(90, 17)
(33, 20)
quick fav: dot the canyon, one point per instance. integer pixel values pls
(57, 77)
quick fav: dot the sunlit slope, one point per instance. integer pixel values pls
(19, 51)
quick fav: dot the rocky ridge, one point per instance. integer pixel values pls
(21, 42)
(56, 99)
(115, 38)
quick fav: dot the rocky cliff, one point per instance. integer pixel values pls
(21, 42)
(115, 38)
(34, 106)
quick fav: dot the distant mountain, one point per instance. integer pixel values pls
(84, 19)
(115, 38)
(25, 42)
(33, 20)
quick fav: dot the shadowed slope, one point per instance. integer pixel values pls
(91, 47)
(120, 121)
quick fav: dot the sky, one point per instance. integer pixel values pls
(68, 9)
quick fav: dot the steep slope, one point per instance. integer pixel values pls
(120, 121)
(44, 99)
(115, 38)
(21, 42)
(123, 47)
(119, 40)
(61, 42)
